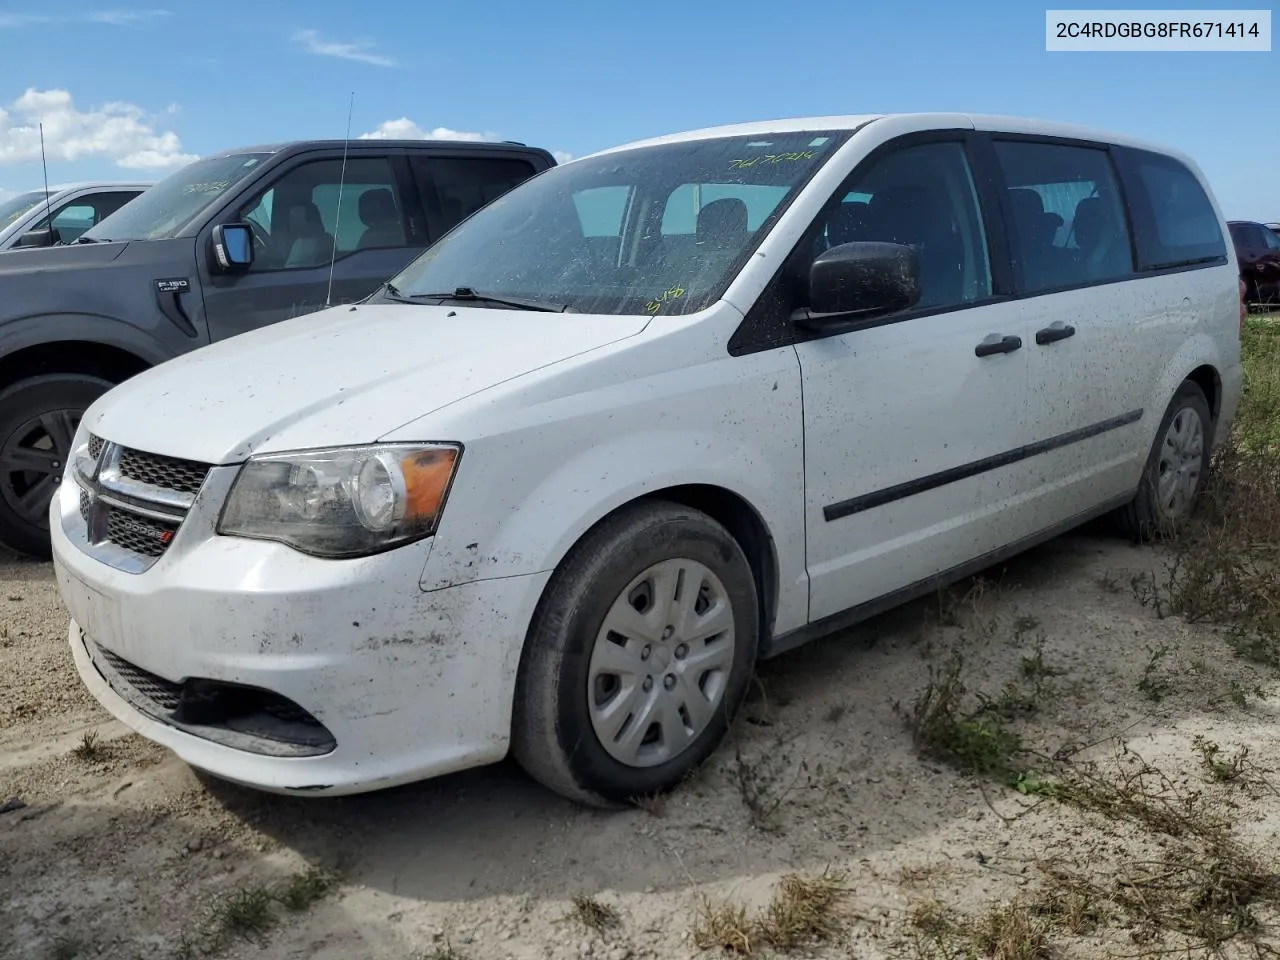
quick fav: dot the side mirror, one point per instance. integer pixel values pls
(43, 237)
(232, 247)
(853, 280)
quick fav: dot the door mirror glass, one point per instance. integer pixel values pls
(856, 279)
(233, 246)
(44, 237)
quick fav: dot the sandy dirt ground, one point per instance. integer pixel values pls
(121, 851)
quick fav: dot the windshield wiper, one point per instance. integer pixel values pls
(467, 295)
(83, 239)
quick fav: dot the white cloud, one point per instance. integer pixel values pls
(122, 132)
(115, 18)
(406, 129)
(360, 50)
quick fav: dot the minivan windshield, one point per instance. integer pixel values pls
(162, 211)
(15, 207)
(653, 229)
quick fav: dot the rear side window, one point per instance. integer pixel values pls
(1068, 226)
(462, 185)
(1174, 221)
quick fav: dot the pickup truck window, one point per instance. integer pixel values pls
(164, 210)
(462, 185)
(15, 207)
(297, 220)
(589, 235)
(74, 218)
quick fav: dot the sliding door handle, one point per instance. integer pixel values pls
(1054, 332)
(997, 344)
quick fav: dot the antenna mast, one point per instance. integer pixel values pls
(337, 220)
(44, 166)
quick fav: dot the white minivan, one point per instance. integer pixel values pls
(650, 417)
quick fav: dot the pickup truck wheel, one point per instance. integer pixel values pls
(1176, 468)
(38, 420)
(638, 657)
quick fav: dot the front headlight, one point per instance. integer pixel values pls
(344, 501)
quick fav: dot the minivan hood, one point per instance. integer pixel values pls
(345, 375)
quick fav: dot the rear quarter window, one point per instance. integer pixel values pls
(1174, 221)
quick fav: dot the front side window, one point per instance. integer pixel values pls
(923, 197)
(661, 229)
(172, 204)
(1068, 222)
(15, 207)
(315, 212)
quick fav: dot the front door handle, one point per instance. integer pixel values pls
(997, 344)
(1054, 332)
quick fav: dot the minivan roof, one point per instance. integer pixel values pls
(921, 121)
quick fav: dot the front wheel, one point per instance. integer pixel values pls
(1176, 468)
(38, 421)
(638, 656)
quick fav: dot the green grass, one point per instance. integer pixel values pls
(1257, 425)
(1224, 565)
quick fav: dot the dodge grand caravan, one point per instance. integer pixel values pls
(647, 418)
(329, 222)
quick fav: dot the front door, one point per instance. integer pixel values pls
(912, 427)
(322, 235)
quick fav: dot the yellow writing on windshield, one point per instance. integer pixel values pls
(771, 158)
(655, 305)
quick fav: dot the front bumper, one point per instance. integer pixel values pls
(405, 684)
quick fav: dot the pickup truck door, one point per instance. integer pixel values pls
(364, 223)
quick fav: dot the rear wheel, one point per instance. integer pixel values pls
(38, 421)
(1176, 468)
(638, 657)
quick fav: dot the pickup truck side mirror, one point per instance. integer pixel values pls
(43, 237)
(854, 280)
(232, 247)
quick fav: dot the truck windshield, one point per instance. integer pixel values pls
(659, 229)
(162, 211)
(15, 207)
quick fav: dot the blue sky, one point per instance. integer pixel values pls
(133, 90)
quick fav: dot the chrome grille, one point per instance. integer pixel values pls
(137, 533)
(134, 502)
(168, 473)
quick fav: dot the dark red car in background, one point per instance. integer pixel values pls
(1258, 250)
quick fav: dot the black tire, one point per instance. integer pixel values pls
(552, 733)
(28, 411)
(1144, 518)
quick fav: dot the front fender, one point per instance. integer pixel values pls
(520, 503)
(35, 330)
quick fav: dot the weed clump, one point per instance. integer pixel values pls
(975, 741)
(803, 912)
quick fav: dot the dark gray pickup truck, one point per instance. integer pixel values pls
(227, 244)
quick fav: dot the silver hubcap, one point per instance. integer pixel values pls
(661, 663)
(1180, 461)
